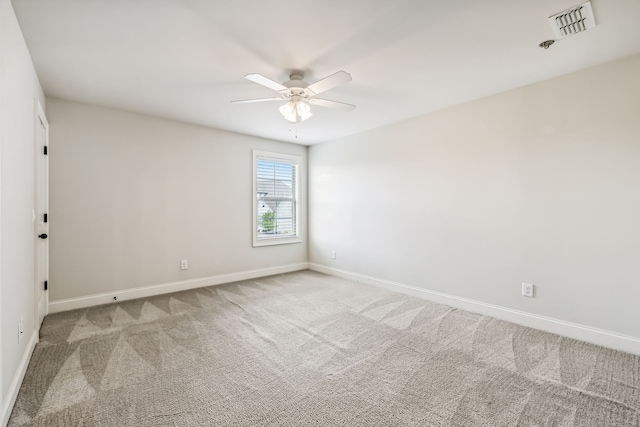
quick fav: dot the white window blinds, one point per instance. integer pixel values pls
(276, 198)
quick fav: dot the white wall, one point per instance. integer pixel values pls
(18, 88)
(539, 184)
(132, 195)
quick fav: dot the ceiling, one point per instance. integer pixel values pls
(185, 60)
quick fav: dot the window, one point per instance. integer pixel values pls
(276, 209)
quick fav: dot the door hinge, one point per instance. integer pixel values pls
(46, 285)
(46, 218)
(45, 150)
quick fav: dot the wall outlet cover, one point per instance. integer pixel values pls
(527, 289)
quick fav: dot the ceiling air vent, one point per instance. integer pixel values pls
(573, 21)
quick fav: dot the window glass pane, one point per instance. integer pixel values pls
(284, 226)
(283, 189)
(265, 188)
(284, 209)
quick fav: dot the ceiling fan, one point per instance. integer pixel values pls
(299, 94)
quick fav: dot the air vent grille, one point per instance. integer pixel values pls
(573, 21)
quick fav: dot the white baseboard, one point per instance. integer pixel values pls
(16, 382)
(571, 330)
(165, 288)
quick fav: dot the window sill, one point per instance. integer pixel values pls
(276, 241)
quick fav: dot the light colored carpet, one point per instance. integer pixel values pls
(306, 349)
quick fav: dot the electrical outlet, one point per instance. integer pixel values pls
(527, 290)
(20, 331)
(184, 264)
(333, 254)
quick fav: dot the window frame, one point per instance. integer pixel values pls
(282, 239)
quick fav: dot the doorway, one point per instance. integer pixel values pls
(41, 218)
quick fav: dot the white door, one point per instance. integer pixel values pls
(41, 212)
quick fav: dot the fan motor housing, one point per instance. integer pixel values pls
(295, 81)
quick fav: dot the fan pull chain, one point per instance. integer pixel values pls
(294, 129)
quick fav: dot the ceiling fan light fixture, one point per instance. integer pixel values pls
(288, 111)
(295, 111)
(304, 110)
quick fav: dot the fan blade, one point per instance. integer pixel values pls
(334, 80)
(247, 101)
(332, 104)
(262, 80)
